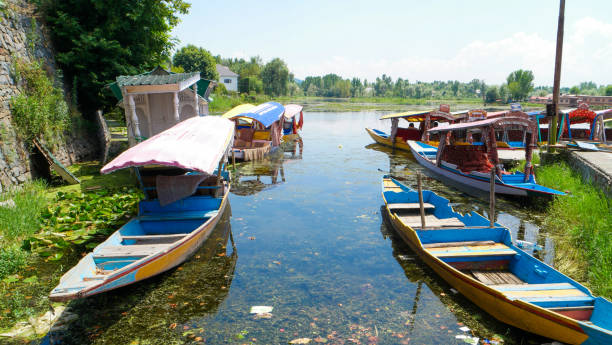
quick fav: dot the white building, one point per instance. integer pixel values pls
(227, 78)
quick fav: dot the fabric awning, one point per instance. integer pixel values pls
(196, 144)
(266, 113)
(291, 110)
(497, 122)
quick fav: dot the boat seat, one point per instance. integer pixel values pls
(154, 237)
(431, 221)
(135, 250)
(471, 250)
(410, 206)
(558, 295)
(178, 215)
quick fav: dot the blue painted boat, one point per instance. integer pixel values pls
(181, 172)
(258, 130)
(470, 164)
(483, 264)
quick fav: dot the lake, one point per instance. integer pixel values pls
(305, 236)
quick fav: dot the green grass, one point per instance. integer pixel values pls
(50, 229)
(223, 103)
(24, 218)
(582, 225)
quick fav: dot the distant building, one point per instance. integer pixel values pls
(574, 100)
(227, 78)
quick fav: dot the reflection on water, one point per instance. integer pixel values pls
(308, 228)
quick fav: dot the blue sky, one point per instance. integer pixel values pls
(414, 40)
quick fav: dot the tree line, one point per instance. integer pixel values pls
(96, 41)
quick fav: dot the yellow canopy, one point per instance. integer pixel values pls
(239, 109)
(406, 114)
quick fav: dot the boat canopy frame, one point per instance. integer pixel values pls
(488, 128)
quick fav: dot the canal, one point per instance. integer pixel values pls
(305, 236)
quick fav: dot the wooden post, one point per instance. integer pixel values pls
(195, 99)
(219, 190)
(492, 198)
(233, 160)
(552, 130)
(134, 117)
(421, 205)
(175, 103)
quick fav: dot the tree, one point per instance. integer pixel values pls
(574, 90)
(609, 90)
(520, 84)
(196, 59)
(275, 77)
(96, 41)
(491, 94)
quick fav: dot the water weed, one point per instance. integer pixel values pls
(582, 222)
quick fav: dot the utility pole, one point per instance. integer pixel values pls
(552, 130)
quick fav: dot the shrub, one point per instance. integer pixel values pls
(40, 111)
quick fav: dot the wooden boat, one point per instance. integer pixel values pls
(483, 264)
(507, 138)
(470, 164)
(292, 125)
(258, 130)
(423, 118)
(576, 124)
(185, 198)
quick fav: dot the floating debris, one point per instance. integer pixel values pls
(260, 309)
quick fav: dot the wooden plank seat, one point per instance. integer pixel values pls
(179, 215)
(562, 297)
(410, 206)
(154, 237)
(431, 221)
(497, 277)
(134, 250)
(470, 250)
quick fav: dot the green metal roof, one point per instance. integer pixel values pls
(157, 77)
(152, 79)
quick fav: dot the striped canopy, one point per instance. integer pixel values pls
(196, 144)
(265, 113)
(496, 122)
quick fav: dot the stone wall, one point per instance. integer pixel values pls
(23, 36)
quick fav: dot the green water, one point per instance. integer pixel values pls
(309, 241)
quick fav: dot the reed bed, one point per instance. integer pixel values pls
(582, 225)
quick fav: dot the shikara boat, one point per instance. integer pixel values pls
(576, 124)
(482, 263)
(258, 130)
(469, 164)
(292, 125)
(181, 173)
(507, 138)
(424, 119)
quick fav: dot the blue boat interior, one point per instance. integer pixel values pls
(488, 255)
(516, 179)
(155, 229)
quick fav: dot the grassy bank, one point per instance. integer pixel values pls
(222, 103)
(582, 226)
(49, 229)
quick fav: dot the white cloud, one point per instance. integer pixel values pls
(587, 55)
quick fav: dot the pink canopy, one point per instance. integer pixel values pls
(291, 110)
(196, 144)
(496, 122)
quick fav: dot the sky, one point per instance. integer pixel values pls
(413, 40)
